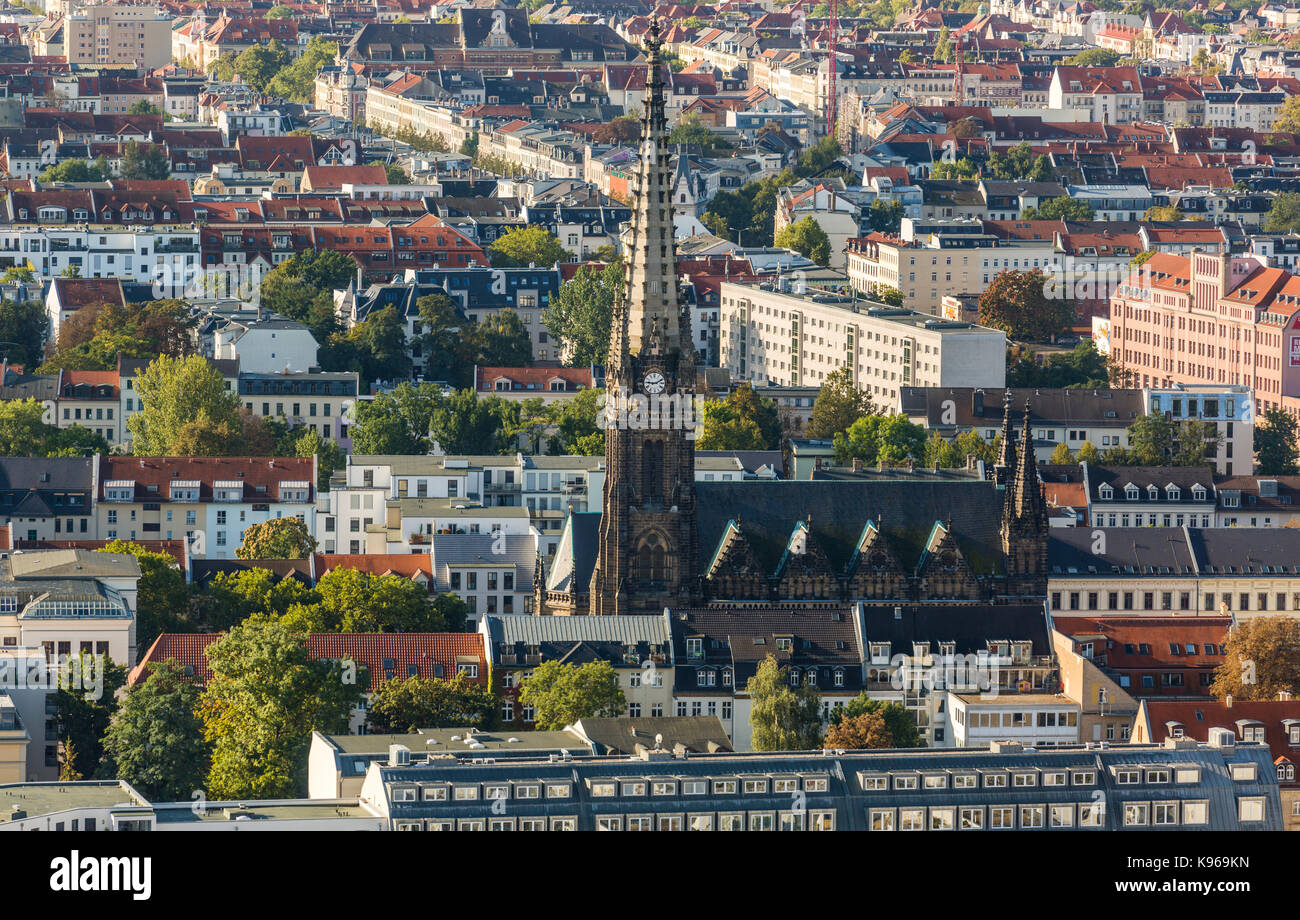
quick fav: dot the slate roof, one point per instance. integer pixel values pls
(969, 626)
(627, 735)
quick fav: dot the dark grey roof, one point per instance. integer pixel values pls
(204, 570)
(626, 735)
(1185, 477)
(1124, 550)
(983, 407)
(969, 626)
(1246, 550)
(905, 510)
(751, 460)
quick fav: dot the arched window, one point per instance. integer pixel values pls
(652, 471)
(652, 560)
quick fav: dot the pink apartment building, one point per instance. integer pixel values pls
(1210, 319)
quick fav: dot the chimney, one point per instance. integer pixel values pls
(1227, 701)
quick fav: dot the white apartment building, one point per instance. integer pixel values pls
(774, 337)
(164, 256)
(1033, 719)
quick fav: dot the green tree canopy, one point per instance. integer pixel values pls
(782, 718)
(1284, 214)
(521, 247)
(561, 694)
(1017, 303)
(22, 332)
(581, 314)
(839, 404)
(265, 698)
(899, 721)
(145, 162)
(83, 715)
(156, 740)
(1262, 661)
(278, 538)
(162, 597)
(875, 439)
(807, 238)
(742, 421)
(175, 392)
(1063, 208)
(1275, 444)
(404, 705)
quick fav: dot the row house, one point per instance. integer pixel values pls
(1111, 95)
(1172, 572)
(70, 602)
(382, 657)
(48, 498)
(1076, 416)
(209, 501)
(478, 291)
(492, 573)
(1091, 789)
(1152, 657)
(1210, 319)
(162, 257)
(1273, 723)
(321, 401)
(639, 649)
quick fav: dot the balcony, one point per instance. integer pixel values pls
(420, 539)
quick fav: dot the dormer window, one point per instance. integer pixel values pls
(1198, 493)
(1131, 492)
(1174, 493)
(1153, 493)
(1106, 492)
(726, 677)
(784, 643)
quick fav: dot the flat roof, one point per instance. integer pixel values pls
(49, 798)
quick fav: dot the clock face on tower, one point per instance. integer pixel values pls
(654, 383)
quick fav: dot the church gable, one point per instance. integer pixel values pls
(805, 572)
(943, 571)
(734, 572)
(874, 571)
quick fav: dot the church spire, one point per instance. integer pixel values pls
(1026, 494)
(651, 299)
(1006, 457)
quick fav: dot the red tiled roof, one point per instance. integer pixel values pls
(335, 177)
(1158, 633)
(1197, 717)
(173, 548)
(406, 565)
(538, 378)
(251, 471)
(74, 293)
(430, 654)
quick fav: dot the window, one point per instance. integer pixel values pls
(882, 819)
(1002, 817)
(1250, 808)
(1031, 816)
(1061, 816)
(1196, 812)
(971, 818)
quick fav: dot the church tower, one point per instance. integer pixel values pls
(1024, 521)
(646, 557)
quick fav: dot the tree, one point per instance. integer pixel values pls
(562, 694)
(297, 81)
(233, 597)
(899, 721)
(1083, 366)
(1275, 444)
(173, 393)
(22, 331)
(1287, 120)
(579, 418)
(329, 456)
(839, 404)
(278, 538)
(859, 733)
(375, 348)
(1063, 208)
(395, 174)
(141, 162)
(1095, 57)
(302, 288)
(24, 433)
(691, 131)
(1170, 212)
(807, 238)
(581, 314)
(877, 439)
(354, 601)
(520, 247)
(890, 296)
(1262, 662)
(156, 740)
(1158, 441)
(1088, 453)
(742, 421)
(265, 698)
(818, 158)
(625, 129)
(886, 216)
(1061, 454)
(782, 719)
(464, 424)
(501, 340)
(396, 422)
(76, 170)
(447, 343)
(84, 712)
(1016, 303)
(1284, 214)
(258, 64)
(279, 11)
(162, 597)
(402, 706)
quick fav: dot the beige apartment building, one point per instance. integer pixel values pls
(781, 337)
(106, 34)
(1106, 710)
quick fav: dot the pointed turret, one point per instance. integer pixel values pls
(1006, 457)
(651, 292)
(1024, 521)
